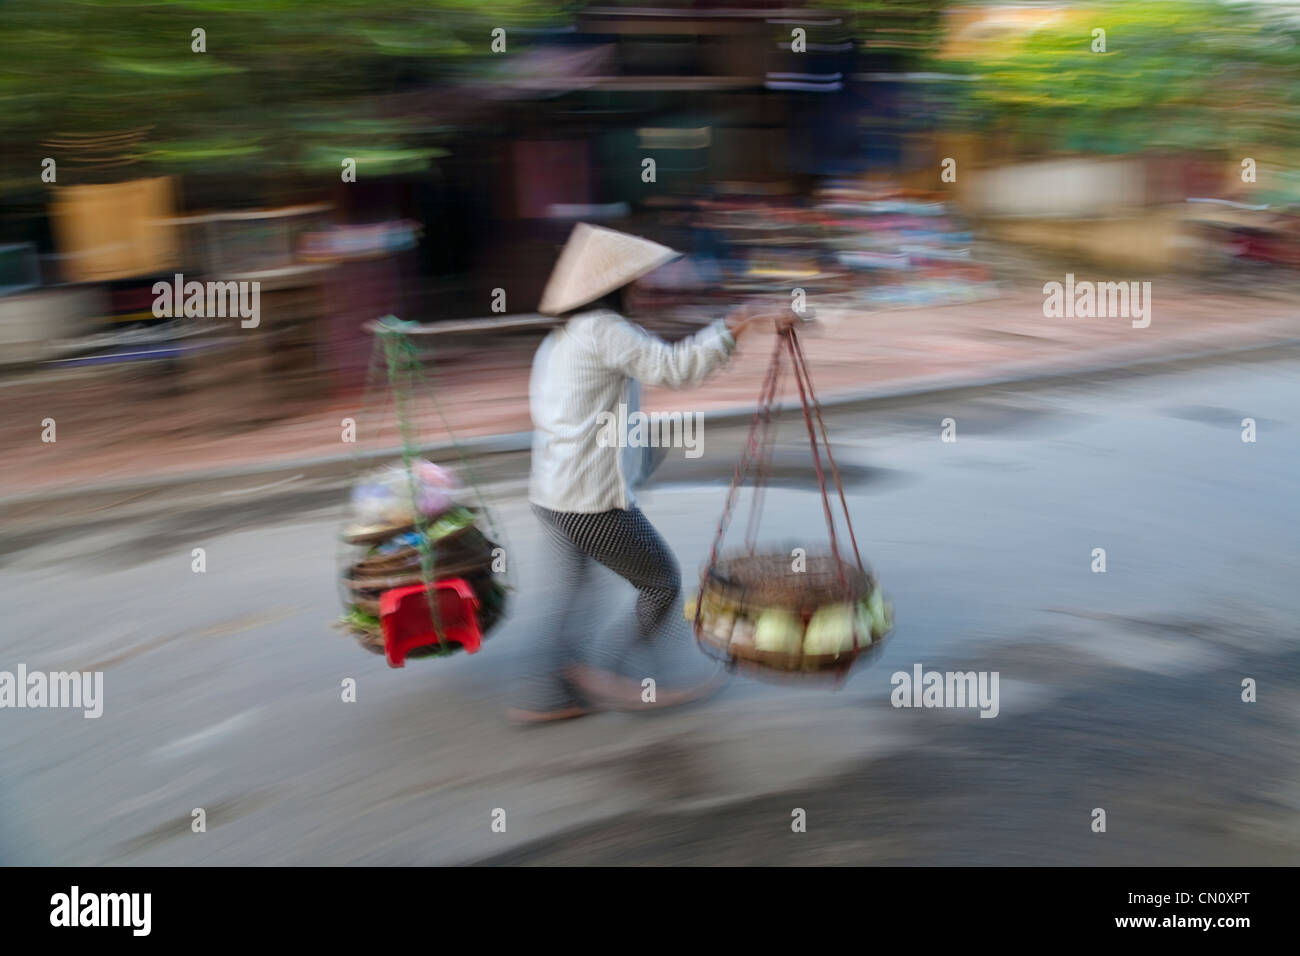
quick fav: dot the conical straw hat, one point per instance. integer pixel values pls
(595, 261)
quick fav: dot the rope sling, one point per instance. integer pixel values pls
(397, 371)
(753, 579)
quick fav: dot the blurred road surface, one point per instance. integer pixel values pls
(1119, 690)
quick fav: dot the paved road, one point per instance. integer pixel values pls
(1119, 691)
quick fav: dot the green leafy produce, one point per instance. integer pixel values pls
(830, 630)
(881, 613)
(360, 619)
(862, 618)
(778, 630)
(457, 519)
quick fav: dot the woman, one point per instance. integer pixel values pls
(580, 487)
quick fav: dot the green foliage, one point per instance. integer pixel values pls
(1192, 74)
(281, 81)
(910, 28)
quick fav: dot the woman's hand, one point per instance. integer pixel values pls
(742, 317)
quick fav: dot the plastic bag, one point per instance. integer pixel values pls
(383, 496)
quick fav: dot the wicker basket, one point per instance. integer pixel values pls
(465, 553)
(751, 583)
(373, 534)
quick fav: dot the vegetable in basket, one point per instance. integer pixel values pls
(778, 630)
(830, 630)
(716, 615)
(455, 520)
(360, 620)
(742, 635)
(881, 613)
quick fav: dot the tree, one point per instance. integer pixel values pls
(1181, 74)
(283, 85)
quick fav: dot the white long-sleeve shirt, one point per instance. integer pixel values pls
(588, 367)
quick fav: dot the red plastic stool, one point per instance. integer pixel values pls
(405, 619)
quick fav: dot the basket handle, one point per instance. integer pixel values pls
(801, 370)
(758, 448)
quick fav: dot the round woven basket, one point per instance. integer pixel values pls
(373, 534)
(464, 553)
(394, 563)
(360, 583)
(753, 583)
(771, 580)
